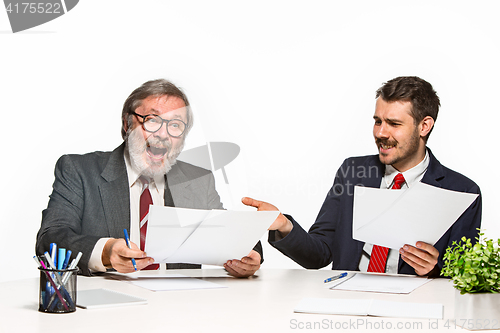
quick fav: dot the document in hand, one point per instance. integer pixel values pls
(203, 236)
(393, 218)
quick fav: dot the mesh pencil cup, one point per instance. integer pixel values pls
(57, 290)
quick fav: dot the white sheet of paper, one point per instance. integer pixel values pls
(208, 237)
(382, 283)
(169, 227)
(370, 307)
(393, 218)
(406, 310)
(351, 307)
(157, 282)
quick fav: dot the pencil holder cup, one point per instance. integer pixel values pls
(57, 290)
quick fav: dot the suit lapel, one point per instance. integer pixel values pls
(180, 188)
(434, 172)
(377, 167)
(114, 193)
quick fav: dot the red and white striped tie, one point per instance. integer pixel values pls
(378, 258)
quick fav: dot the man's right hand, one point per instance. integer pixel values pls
(117, 255)
(281, 224)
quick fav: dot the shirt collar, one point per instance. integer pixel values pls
(412, 175)
(133, 176)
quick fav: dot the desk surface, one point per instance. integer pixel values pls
(263, 303)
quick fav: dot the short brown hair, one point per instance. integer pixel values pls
(423, 98)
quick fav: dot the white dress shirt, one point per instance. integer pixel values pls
(411, 176)
(157, 189)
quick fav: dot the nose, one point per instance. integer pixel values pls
(162, 133)
(380, 131)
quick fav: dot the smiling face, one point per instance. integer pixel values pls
(399, 140)
(153, 154)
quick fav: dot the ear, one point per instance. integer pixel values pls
(425, 126)
(125, 123)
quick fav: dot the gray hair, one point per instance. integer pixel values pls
(158, 87)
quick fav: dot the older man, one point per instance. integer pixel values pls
(405, 112)
(97, 195)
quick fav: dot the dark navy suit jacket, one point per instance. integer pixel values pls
(330, 237)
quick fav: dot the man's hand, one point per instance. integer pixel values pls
(245, 267)
(423, 258)
(282, 224)
(117, 255)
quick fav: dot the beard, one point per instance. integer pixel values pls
(141, 161)
(405, 152)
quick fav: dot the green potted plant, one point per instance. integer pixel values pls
(475, 272)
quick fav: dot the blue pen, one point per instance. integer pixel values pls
(66, 260)
(336, 277)
(128, 244)
(61, 258)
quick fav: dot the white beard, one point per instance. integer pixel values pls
(136, 145)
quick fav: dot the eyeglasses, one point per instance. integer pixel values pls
(152, 123)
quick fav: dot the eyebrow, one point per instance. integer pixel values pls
(156, 112)
(389, 120)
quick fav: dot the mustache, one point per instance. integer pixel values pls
(386, 142)
(161, 144)
(150, 141)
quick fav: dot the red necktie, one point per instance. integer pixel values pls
(378, 258)
(145, 201)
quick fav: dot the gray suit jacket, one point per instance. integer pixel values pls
(90, 200)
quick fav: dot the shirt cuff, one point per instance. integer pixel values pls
(95, 262)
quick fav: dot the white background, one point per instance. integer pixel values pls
(291, 82)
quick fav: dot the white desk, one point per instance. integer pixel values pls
(263, 303)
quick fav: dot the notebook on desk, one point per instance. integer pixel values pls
(103, 298)
(370, 307)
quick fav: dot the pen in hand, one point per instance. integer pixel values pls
(128, 244)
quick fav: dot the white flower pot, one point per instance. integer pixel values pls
(477, 311)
